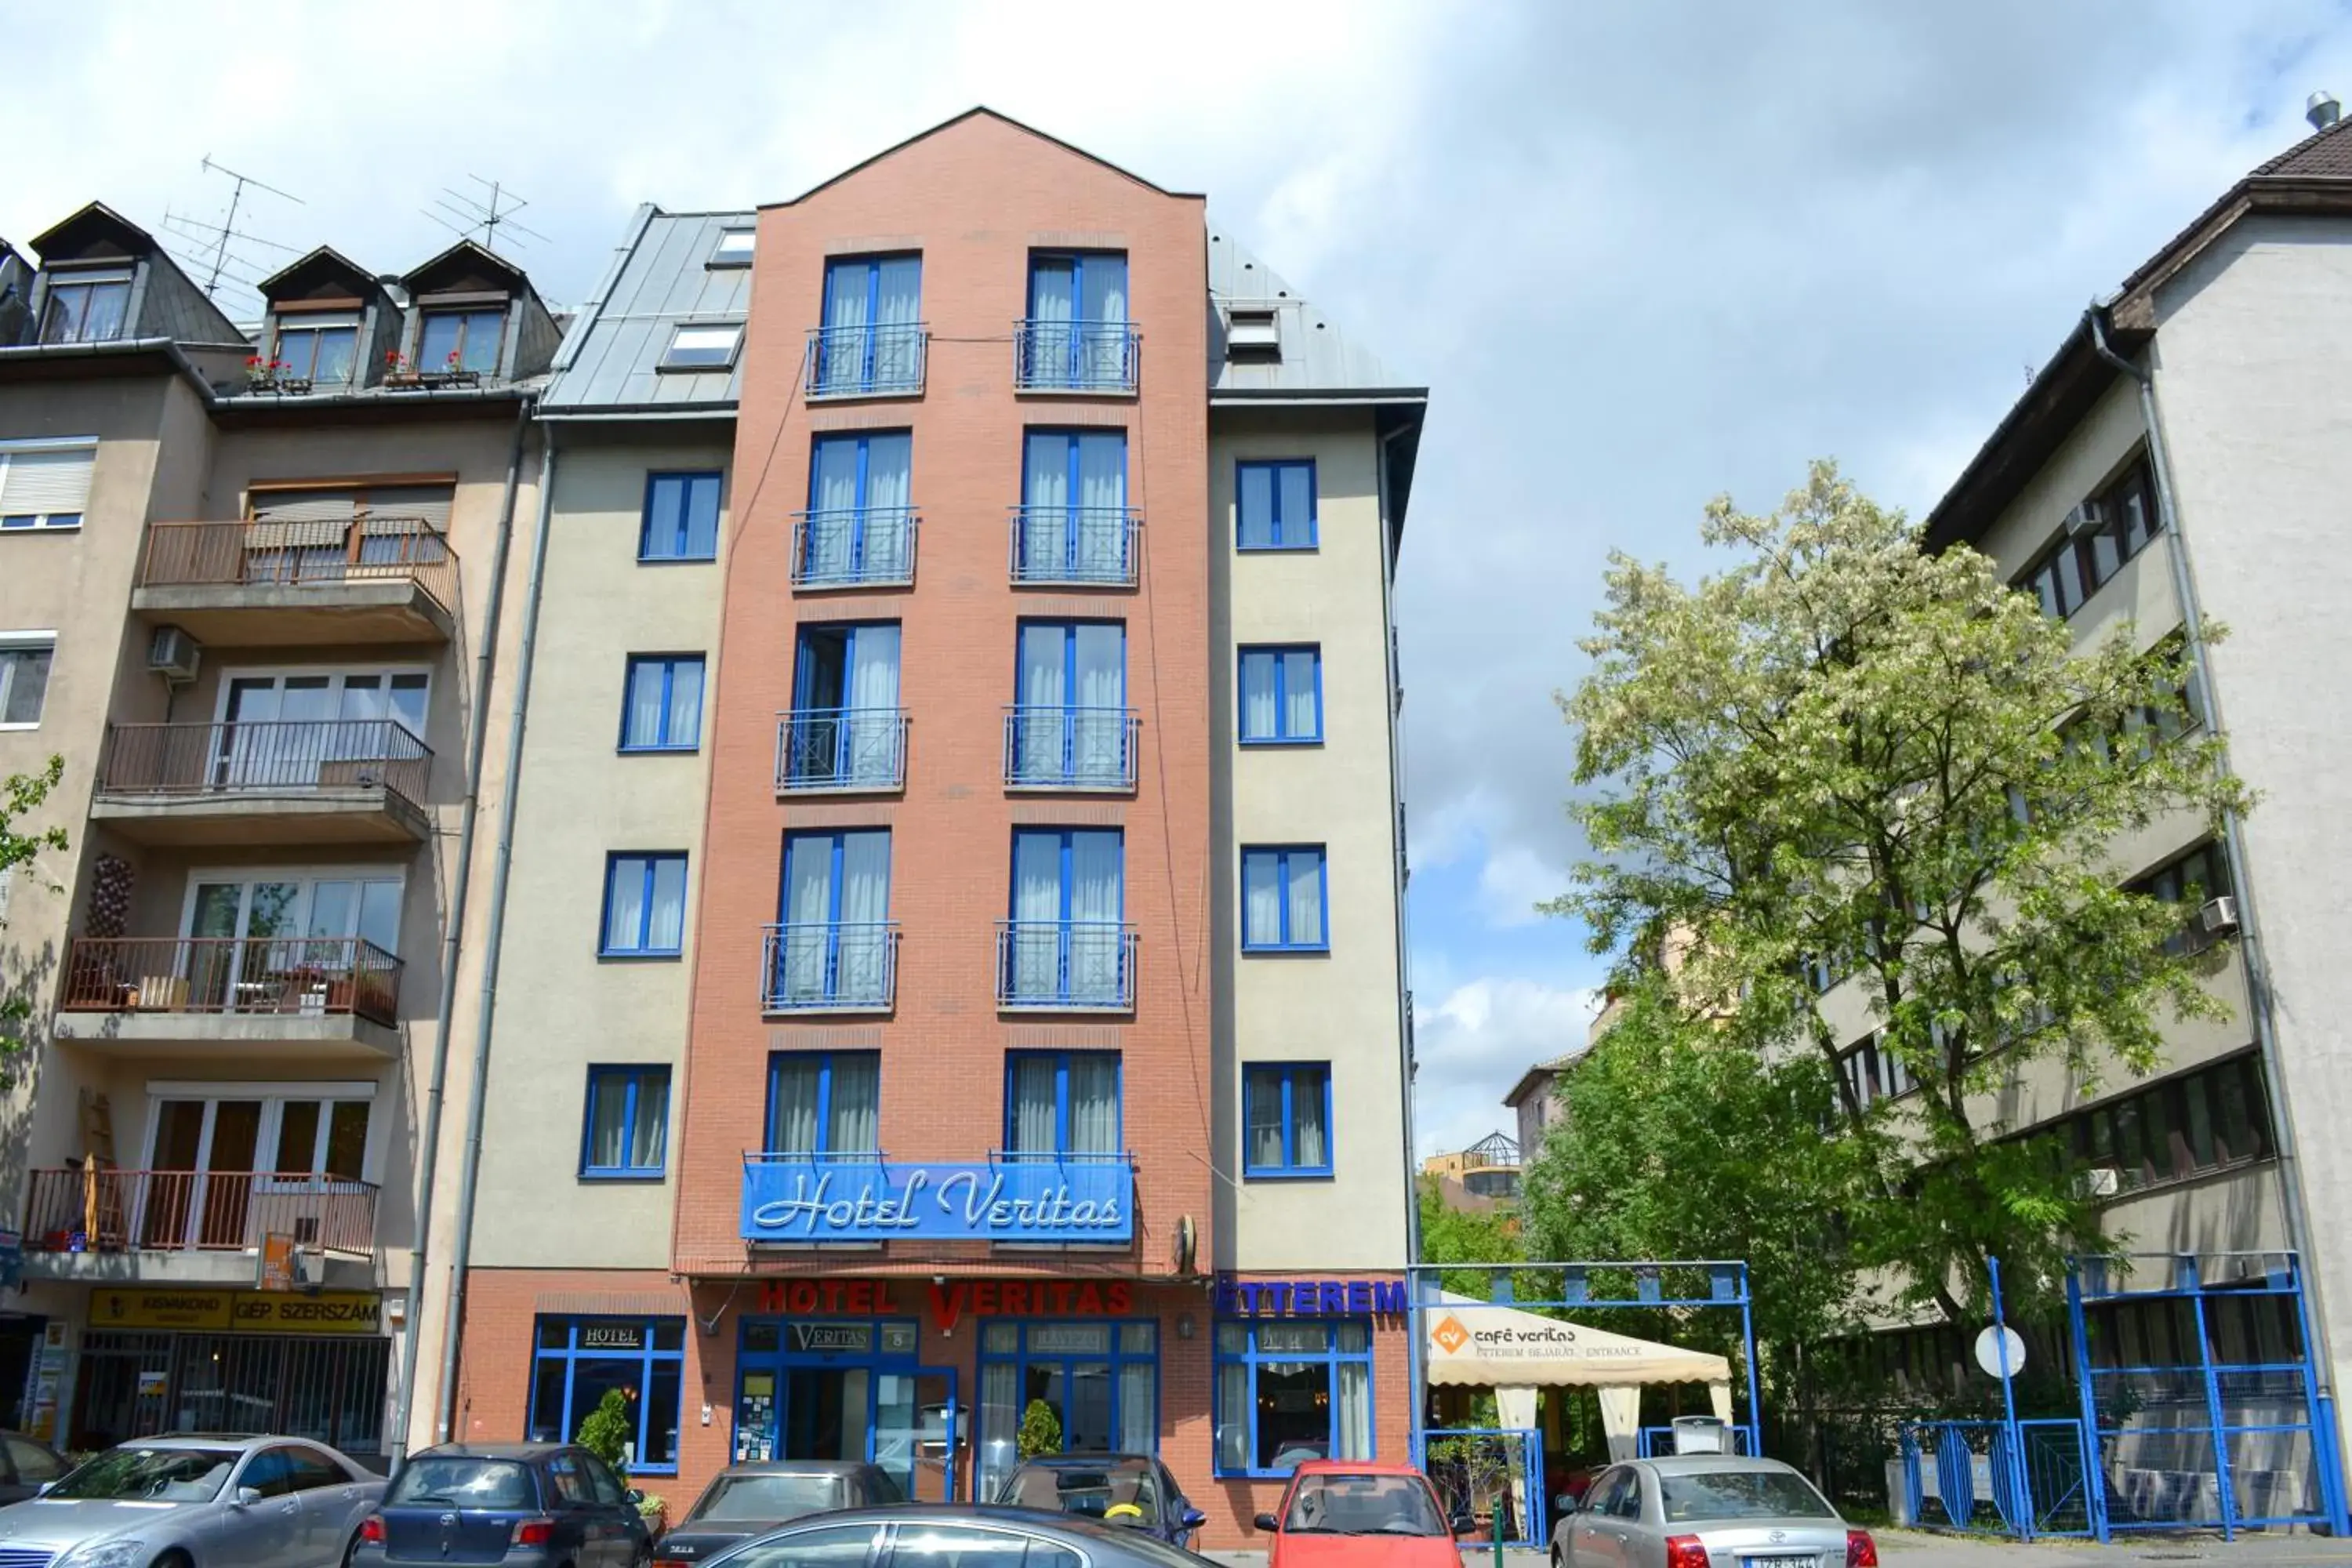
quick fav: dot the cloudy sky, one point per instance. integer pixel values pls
(1641, 252)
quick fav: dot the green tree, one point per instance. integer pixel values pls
(1843, 749)
(21, 795)
(1450, 1236)
(1041, 1432)
(609, 1429)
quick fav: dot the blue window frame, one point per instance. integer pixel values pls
(872, 337)
(661, 706)
(1277, 505)
(461, 339)
(1101, 1376)
(1285, 899)
(644, 905)
(1069, 724)
(575, 1361)
(1290, 1389)
(1066, 943)
(833, 940)
(1286, 1118)
(626, 1133)
(1282, 695)
(824, 1102)
(1077, 335)
(1062, 1102)
(860, 525)
(681, 521)
(1073, 524)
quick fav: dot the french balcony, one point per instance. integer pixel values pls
(863, 1200)
(1076, 356)
(841, 751)
(1080, 749)
(329, 781)
(830, 966)
(270, 584)
(298, 997)
(885, 360)
(196, 1228)
(855, 547)
(1075, 547)
(1066, 966)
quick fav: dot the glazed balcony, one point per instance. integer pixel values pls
(855, 547)
(1034, 1200)
(841, 751)
(884, 361)
(830, 966)
(330, 781)
(1085, 750)
(275, 584)
(195, 1227)
(1078, 547)
(302, 997)
(1076, 356)
(1066, 966)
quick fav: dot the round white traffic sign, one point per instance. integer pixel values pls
(1988, 1349)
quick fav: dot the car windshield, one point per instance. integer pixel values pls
(1090, 1491)
(1740, 1494)
(764, 1499)
(452, 1480)
(1363, 1505)
(150, 1475)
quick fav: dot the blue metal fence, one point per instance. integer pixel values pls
(1478, 1469)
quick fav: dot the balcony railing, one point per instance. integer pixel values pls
(1088, 546)
(830, 966)
(267, 757)
(840, 749)
(320, 552)
(797, 1199)
(866, 361)
(1065, 965)
(313, 978)
(1075, 356)
(73, 1210)
(1071, 748)
(855, 547)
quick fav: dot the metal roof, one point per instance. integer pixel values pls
(661, 280)
(1316, 355)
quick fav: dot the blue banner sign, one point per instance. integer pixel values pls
(794, 1199)
(1237, 1298)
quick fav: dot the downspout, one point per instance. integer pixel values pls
(429, 1149)
(2258, 989)
(476, 1097)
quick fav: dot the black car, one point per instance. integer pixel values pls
(752, 1500)
(519, 1505)
(27, 1465)
(936, 1535)
(1130, 1490)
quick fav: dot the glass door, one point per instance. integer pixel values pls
(200, 1173)
(915, 1431)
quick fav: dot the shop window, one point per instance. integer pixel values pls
(578, 1359)
(1288, 1391)
(1101, 1376)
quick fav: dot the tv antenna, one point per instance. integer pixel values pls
(227, 227)
(490, 212)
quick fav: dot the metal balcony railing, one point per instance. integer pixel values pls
(1071, 748)
(1065, 965)
(841, 747)
(885, 361)
(301, 554)
(1091, 546)
(267, 757)
(855, 547)
(296, 976)
(1075, 356)
(77, 1210)
(830, 966)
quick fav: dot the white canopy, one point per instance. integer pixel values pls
(1468, 1343)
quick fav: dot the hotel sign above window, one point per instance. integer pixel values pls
(797, 1200)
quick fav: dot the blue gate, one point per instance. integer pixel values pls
(1480, 1468)
(2027, 1479)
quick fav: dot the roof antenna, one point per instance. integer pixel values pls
(473, 212)
(228, 224)
(2322, 109)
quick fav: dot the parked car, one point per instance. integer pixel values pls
(198, 1500)
(1132, 1490)
(1707, 1510)
(520, 1505)
(1355, 1513)
(954, 1535)
(27, 1465)
(752, 1500)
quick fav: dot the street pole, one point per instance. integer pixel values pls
(2012, 1439)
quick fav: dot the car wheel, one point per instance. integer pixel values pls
(352, 1550)
(176, 1558)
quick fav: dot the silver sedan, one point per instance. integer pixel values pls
(1707, 1510)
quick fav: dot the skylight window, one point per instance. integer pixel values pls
(734, 247)
(702, 348)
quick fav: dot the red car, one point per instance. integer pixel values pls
(1353, 1513)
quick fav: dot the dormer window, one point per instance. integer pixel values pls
(86, 306)
(317, 349)
(734, 247)
(465, 339)
(1253, 335)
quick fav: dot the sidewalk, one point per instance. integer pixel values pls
(1922, 1548)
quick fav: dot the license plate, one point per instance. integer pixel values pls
(1780, 1560)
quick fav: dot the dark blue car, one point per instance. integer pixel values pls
(1130, 1490)
(519, 1505)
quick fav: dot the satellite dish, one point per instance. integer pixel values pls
(1988, 1346)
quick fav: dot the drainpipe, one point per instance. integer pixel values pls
(484, 664)
(2258, 988)
(469, 1172)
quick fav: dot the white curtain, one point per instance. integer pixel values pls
(1036, 913)
(899, 300)
(1102, 495)
(624, 913)
(652, 1128)
(873, 693)
(1034, 1105)
(1298, 502)
(842, 352)
(685, 703)
(1311, 1141)
(1298, 680)
(1000, 1420)
(609, 1136)
(808, 906)
(1045, 503)
(1256, 527)
(1305, 895)
(834, 495)
(1103, 279)
(855, 1124)
(1098, 898)
(1139, 1415)
(645, 703)
(1098, 748)
(1258, 710)
(1262, 899)
(1232, 1416)
(1264, 1117)
(889, 476)
(1094, 1104)
(1043, 696)
(1354, 1426)
(1621, 1420)
(1053, 294)
(863, 945)
(792, 1127)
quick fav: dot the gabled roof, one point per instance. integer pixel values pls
(95, 233)
(325, 271)
(466, 266)
(976, 112)
(1536, 1076)
(661, 278)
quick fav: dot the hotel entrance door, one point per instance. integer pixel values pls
(848, 1390)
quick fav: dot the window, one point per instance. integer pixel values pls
(317, 348)
(2118, 523)
(846, 730)
(681, 521)
(2205, 1121)
(25, 659)
(1074, 525)
(734, 247)
(44, 484)
(1062, 1102)
(313, 1142)
(644, 906)
(1069, 725)
(310, 1469)
(1101, 1378)
(663, 709)
(860, 526)
(1285, 900)
(461, 339)
(85, 307)
(1066, 942)
(1875, 1074)
(1292, 1389)
(1076, 336)
(824, 1102)
(872, 337)
(825, 1546)
(1286, 1117)
(834, 937)
(32, 1463)
(628, 1122)
(1282, 695)
(702, 348)
(1253, 336)
(576, 1360)
(2190, 881)
(1276, 506)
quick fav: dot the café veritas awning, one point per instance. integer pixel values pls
(1469, 1343)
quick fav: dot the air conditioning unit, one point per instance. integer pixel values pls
(2218, 917)
(2085, 520)
(173, 654)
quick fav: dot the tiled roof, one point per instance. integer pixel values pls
(2322, 154)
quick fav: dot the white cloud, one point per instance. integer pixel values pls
(1475, 1043)
(1513, 880)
